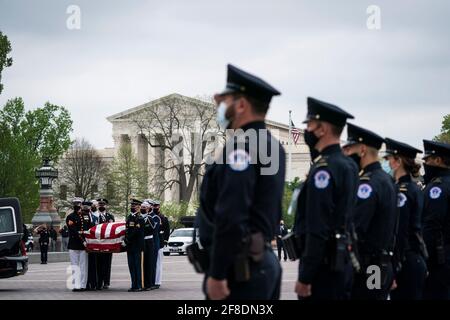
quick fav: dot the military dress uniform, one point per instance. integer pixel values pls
(94, 258)
(107, 218)
(409, 250)
(78, 222)
(134, 238)
(149, 249)
(240, 198)
(164, 235)
(324, 209)
(436, 223)
(375, 220)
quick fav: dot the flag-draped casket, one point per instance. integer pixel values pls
(106, 237)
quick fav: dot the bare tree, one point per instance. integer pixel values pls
(82, 168)
(127, 177)
(180, 128)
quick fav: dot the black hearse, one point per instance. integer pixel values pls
(13, 257)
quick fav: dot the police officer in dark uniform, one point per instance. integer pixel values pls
(325, 205)
(281, 233)
(375, 216)
(105, 259)
(44, 238)
(134, 239)
(240, 196)
(436, 218)
(409, 253)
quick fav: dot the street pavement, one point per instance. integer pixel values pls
(180, 282)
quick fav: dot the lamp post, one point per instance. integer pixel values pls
(46, 213)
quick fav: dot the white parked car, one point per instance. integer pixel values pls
(178, 241)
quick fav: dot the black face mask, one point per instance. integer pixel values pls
(143, 211)
(311, 140)
(93, 209)
(76, 208)
(357, 158)
(432, 172)
(133, 210)
(101, 209)
(156, 210)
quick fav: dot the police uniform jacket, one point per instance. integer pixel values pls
(325, 206)
(410, 203)
(436, 213)
(376, 211)
(237, 198)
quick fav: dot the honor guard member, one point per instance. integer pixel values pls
(106, 257)
(156, 226)
(94, 258)
(149, 246)
(90, 208)
(436, 218)
(78, 222)
(325, 205)
(409, 254)
(164, 233)
(240, 197)
(375, 216)
(134, 239)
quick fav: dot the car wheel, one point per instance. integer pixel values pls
(181, 253)
(166, 253)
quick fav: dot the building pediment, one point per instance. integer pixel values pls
(139, 111)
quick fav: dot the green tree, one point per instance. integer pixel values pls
(5, 61)
(289, 188)
(444, 136)
(127, 178)
(26, 137)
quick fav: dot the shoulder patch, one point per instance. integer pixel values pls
(321, 179)
(435, 192)
(364, 191)
(401, 200)
(239, 160)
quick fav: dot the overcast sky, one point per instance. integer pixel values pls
(395, 81)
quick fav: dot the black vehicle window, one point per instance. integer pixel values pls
(6, 220)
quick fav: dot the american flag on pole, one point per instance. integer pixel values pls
(295, 133)
(106, 237)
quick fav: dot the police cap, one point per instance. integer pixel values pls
(357, 135)
(239, 81)
(397, 148)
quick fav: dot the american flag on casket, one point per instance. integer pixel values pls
(106, 237)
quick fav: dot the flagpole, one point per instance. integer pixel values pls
(289, 148)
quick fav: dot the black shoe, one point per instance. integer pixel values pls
(99, 289)
(157, 286)
(153, 287)
(132, 290)
(105, 287)
(146, 289)
(76, 290)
